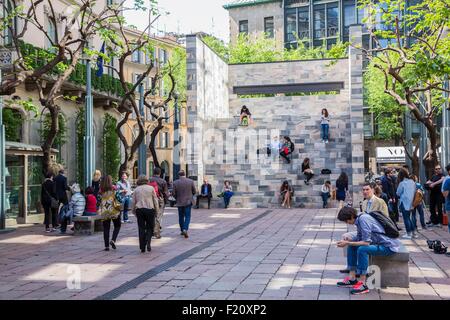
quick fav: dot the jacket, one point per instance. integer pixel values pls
(183, 191)
(61, 188)
(47, 191)
(377, 204)
(144, 197)
(208, 190)
(162, 186)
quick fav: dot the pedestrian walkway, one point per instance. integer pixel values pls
(230, 254)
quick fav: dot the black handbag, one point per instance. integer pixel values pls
(325, 171)
(54, 203)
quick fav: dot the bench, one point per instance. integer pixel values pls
(87, 225)
(394, 268)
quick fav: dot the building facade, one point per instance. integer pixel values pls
(314, 22)
(26, 129)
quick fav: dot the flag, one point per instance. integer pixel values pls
(100, 62)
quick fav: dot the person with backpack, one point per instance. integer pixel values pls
(145, 207)
(406, 191)
(287, 148)
(418, 203)
(110, 211)
(324, 125)
(376, 236)
(162, 192)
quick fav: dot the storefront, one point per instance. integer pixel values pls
(23, 183)
(390, 157)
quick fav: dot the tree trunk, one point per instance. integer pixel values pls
(50, 139)
(431, 158)
(152, 148)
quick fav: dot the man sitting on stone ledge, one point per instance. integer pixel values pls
(371, 239)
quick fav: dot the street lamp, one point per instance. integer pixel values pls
(142, 157)
(176, 140)
(89, 138)
(445, 130)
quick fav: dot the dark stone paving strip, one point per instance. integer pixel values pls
(174, 261)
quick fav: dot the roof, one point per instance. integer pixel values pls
(18, 146)
(244, 3)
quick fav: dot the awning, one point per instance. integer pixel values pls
(23, 148)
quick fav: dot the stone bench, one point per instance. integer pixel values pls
(87, 225)
(394, 269)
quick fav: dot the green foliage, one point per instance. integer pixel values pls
(36, 58)
(111, 149)
(80, 131)
(178, 62)
(12, 119)
(263, 49)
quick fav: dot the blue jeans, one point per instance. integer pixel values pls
(226, 197)
(325, 130)
(184, 217)
(325, 196)
(409, 219)
(126, 205)
(358, 256)
(419, 208)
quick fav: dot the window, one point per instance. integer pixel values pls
(303, 23)
(349, 16)
(162, 57)
(9, 31)
(319, 22)
(291, 25)
(243, 26)
(164, 140)
(368, 123)
(136, 56)
(51, 32)
(269, 27)
(332, 20)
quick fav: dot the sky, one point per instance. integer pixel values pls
(187, 16)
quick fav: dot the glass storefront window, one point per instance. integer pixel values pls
(34, 184)
(14, 186)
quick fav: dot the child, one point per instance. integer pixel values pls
(326, 193)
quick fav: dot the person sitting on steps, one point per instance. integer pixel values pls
(286, 194)
(245, 117)
(307, 171)
(287, 148)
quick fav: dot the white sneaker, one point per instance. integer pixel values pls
(415, 236)
(407, 236)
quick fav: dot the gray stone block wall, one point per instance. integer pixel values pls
(257, 179)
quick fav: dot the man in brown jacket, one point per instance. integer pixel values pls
(372, 202)
(183, 191)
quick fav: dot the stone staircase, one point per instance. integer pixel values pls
(256, 180)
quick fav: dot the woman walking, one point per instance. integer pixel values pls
(110, 211)
(307, 171)
(49, 202)
(286, 193)
(145, 206)
(227, 193)
(406, 191)
(325, 125)
(341, 189)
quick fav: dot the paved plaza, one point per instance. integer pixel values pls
(231, 254)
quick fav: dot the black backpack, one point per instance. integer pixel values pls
(292, 147)
(388, 225)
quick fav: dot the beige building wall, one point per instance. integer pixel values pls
(255, 16)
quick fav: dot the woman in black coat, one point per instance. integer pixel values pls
(47, 193)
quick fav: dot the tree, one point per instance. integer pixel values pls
(49, 70)
(122, 46)
(389, 115)
(413, 56)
